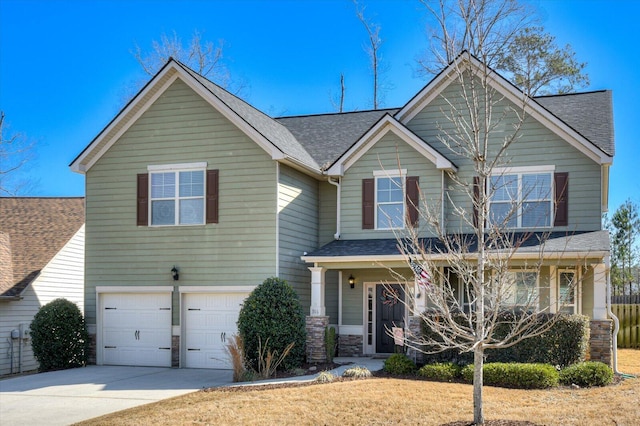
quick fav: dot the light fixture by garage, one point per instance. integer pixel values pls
(175, 274)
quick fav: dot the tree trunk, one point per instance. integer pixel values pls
(478, 362)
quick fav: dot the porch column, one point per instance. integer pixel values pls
(599, 292)
(317, 292)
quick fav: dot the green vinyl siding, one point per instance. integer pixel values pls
(180, 127)
(388, 154)
(327, 205)
(536, 146)
(298, 229)
(331, 295)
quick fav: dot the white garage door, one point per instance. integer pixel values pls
(136, 329)
(210, 319)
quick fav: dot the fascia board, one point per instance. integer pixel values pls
(385, 125)
(197, 87)
(513, 94)
(581, 256)
(79, 165)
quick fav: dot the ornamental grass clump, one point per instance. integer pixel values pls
(325, 377)
(357, 372)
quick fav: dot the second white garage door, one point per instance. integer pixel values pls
(210, 320)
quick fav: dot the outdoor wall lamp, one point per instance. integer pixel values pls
(352, 281)
(175, 274)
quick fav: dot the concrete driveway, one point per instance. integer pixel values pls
(68, 396)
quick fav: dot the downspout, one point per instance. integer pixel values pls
(442, 198)
(277, 219)
(616, 321)
(336, 236)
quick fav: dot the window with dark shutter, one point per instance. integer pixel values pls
(368, 203)
(143, 200)
(561, 180)
(212, 196)
(413, 200)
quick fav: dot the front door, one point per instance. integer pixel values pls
(390, 312)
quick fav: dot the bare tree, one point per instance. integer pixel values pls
(204, 57)
(477, 242)
(16, 151)
(373, 51)
(505, 37)
(338, 104)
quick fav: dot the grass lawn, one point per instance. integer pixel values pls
(395, 401)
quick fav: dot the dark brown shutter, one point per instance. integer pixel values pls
(368, 203)
(212, 196)
(562, 199)
(413, 200)
(143, 200)
(476, 199)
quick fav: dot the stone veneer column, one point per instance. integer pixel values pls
(175, 351)
(414, 333)
(600, 341)
(316, 351)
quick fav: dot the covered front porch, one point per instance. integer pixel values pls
(359, 286)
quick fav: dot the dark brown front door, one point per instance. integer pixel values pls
(390, 311)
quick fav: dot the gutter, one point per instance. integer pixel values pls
(338, 193)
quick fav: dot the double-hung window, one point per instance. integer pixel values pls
(177, 194)
(521, 197)
(390, 200)
(520, 289)
(567, 291)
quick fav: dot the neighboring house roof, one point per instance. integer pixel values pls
(586, 244)
(32, 231)
(590, 114)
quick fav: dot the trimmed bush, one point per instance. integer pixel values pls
(515, 375)
(399, 364)
(272, 314)
(565, 343)
(59, 337)
(440, 372)
(587, 374)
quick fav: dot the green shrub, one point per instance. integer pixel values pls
(330, 343)
(441, 372)
(399, 364)
(587, 374)
(272, 314)
(515, 375)
(565, 343)
(357, 372)
(59, 337)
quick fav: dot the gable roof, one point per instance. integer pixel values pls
(272, 136)
(327, 136)
(385, 125)
(32, 231)
(558, 115)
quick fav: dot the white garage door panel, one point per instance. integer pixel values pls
(210, 320)
(136, 329)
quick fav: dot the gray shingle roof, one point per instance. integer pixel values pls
(590, 114)
(555, 242)
(327, 136)
(273, 131)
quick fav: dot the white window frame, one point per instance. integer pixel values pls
(177, 169)
(576, 305)
(536, 295)
(385, 174)
(520, 172)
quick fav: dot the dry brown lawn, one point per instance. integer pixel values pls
(394, 401)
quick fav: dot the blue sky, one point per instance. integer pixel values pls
(66, 66)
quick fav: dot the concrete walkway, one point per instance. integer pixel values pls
(69, 396)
